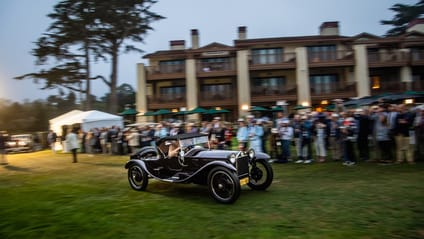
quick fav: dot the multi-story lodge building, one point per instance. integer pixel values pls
(303, 70)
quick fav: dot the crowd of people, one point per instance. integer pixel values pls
(385, 133)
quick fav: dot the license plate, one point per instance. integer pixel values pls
(244, 181)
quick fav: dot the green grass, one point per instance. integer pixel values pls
(44, 195)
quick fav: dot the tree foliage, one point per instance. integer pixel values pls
(83, 31)
(404, 14)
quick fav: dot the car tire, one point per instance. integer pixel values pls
(223, 185)
(261, 175)
(137, 177)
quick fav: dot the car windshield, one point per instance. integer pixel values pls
(200, 141)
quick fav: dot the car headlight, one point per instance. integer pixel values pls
(233, 158)
(251, 153)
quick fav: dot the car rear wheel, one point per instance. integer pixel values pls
(137, 177)
(223, 185)
(261, 175)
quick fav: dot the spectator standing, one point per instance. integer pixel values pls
(255, 136)
(403, 124)
(419, 133)
(334, 139)
(228, 136)
(3, 140)
(51, 140)
(286, 135)
(382, 136)
(133, 140)
(364, 131)
(348, 131)
(320, 129)
(103, 140)
(306, 129)
(242, 135)
(72, 143)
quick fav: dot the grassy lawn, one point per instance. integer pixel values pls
(44, 195)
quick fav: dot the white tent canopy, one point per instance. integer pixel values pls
(88, 120)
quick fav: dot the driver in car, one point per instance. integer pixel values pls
(173, 149)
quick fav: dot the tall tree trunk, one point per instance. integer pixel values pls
(88, 105)
(113, 107)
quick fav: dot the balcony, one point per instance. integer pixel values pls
(213, 69)
(225, 98)
(165, 73)
(417, 57)
(333, 90)
(388, 59)
(166, 101)
(331, 58)
(273, 61)
(263, 94)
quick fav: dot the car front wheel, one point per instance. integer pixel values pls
(261, 175)
(137, 177)
(223, 185)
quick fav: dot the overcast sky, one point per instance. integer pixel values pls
(24, 21)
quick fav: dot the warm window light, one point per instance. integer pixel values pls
(245, 107)
(324, 102)
(375, 82)
(409, 101)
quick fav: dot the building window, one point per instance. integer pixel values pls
(268, 86)
(375, 82)
(174, 66)
(323, 84)
(322, 53)
(267, 56)
(217, 92)
(174, 93)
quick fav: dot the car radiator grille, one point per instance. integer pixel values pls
(243, 166)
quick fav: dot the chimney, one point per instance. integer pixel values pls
(329, 29)
(242, 34)
(416, 25)
(194, 38)
(177, 44)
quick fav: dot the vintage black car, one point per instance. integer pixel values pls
(223, 171)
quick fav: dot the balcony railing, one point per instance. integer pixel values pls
(270, 61)
(166, 72)
(417, 57)
(216, 66)
(223, 98)
(166, 99)
(334, 90)
(342, 57)
(266, 94)
(382, 59)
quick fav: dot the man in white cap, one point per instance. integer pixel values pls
(286, 135)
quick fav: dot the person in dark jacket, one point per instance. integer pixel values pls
(364, 131)
(3, 140)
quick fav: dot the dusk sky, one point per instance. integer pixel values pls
(24, 21)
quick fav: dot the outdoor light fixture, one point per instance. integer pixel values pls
(409, 101)
(245, 107)
(218, 108)
(174, 110)
(305, 103)
(324, 102)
